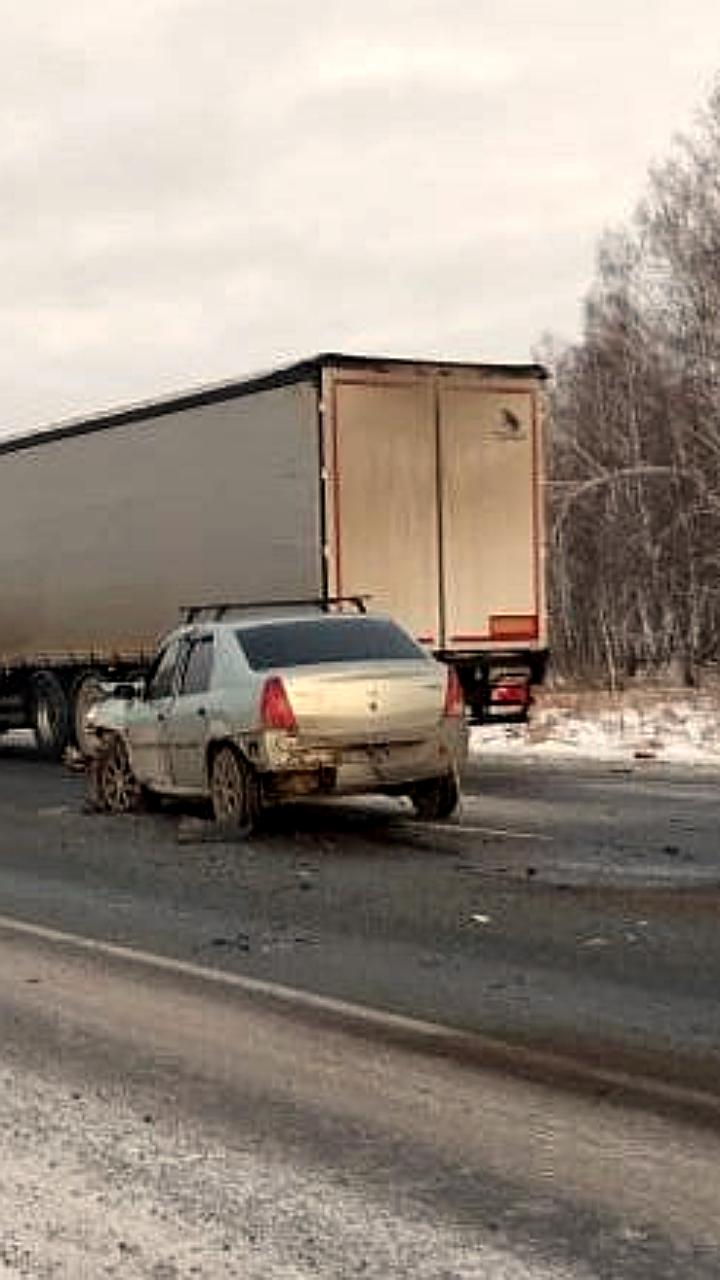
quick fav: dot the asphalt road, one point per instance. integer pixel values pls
(570, 908)
(536, 1094)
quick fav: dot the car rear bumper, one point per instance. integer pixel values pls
(296, 768)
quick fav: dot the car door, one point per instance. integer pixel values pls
(188, 720)
(148, 731)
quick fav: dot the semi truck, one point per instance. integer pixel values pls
(416, 484)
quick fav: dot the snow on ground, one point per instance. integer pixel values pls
(682, 727)
(91, 1188)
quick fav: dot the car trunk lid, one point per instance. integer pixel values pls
(388, 702)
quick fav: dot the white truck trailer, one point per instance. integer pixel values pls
(416, 483)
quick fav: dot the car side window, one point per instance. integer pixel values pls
(162, 677)
(198, 668)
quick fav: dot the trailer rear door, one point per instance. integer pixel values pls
(432, 504)
(487, 453)
(383, 535)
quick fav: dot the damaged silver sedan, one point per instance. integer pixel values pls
(251, 710)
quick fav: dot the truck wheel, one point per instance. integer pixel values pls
(234, 793)
(113, 785)
(50, 715)
(436, 799)
(86, 691)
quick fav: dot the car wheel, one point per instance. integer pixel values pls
(436, 799)
(113, 785)
(233, 793)
(87, 691)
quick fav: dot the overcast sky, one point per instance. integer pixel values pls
(193, 189)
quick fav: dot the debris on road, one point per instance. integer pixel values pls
(241, 942)
(304, 878)
(74, 760)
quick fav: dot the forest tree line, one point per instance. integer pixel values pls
(634, 442)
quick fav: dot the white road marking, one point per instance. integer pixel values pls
(460, 828)
(538, 1060)
(252, 986)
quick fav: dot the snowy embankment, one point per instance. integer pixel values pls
(651, 724)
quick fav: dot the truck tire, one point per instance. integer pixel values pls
(436, 799)
(86, 691)
(113, 785)
(50, 716)
(234, 793)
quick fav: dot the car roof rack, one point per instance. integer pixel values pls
(215, 611)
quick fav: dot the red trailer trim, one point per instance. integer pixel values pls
(514, 626)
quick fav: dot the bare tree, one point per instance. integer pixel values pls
(635, 441)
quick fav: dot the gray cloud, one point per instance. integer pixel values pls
(193, 188)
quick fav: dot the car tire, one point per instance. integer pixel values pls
(113, 785)
(86, 692)
(436, 799)
(234, 793)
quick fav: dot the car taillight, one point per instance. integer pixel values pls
(454, 698)
(275, 708)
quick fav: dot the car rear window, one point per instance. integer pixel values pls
(311, 642)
